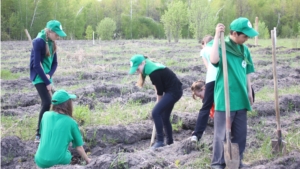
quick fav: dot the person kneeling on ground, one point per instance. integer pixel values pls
(58, 129)
(168, 89)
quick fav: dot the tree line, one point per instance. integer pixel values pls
(136, 19)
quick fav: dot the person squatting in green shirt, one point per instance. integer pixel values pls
(240, 66)
(43, 64)
(58, 129)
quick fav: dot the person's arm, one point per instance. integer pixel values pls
(53, 66)
(37, 66)
(249, 89)
(214, 54)
(82, 153)
(205, 62)
(158, 97)
(156, 80)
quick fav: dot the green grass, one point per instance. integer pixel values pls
(203, 160)
(288, 43)
(24, 127)
(293, 138)
(267, 93)
(8, 75)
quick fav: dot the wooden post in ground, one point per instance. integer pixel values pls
(93, 38)
(256, 28)
(275, 36)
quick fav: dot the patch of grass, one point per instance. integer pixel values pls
(25, 128)
(82, 114)
(280, 42)
(264, 152)
(252, 113)
(204, 159)
(187, 104)
(120, 161)
(8, 75)
(119, 113)
(293, 139)
(267, 93)
(177, 126)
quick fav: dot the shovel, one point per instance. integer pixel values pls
(278, 145)
(153, 135)
(231, 150)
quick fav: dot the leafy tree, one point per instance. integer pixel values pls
(174, 19)
(144, 18)
(298, 29)
(263, 30)
(89, 32)
(203, 18)
(106, 28)
(140, 27)
(166, 20)
(286, 31)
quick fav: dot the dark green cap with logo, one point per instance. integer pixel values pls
(243, 25)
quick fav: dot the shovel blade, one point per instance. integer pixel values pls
(231, 155)
(278, 146)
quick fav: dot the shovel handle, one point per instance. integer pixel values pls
(275, 81)
(226, 88)
(153, 135)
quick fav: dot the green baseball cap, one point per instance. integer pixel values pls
(243, 25)
(56, 27)
(61, 96)
(135, 61)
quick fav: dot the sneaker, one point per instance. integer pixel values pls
(37, 139)
(242, 165)
(194, 139)
(217, 167)
(158, 144)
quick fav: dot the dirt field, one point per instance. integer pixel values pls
(98, 75)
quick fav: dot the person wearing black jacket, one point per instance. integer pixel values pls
(168, 89)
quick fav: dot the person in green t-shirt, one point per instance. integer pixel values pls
(43, 64)
(240, 65)
(59, 129)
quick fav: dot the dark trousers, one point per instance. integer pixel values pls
(161, 116)
(46, 102)
(208, 101)
(238, 133)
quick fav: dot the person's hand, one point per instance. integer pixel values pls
(88, 160)
(219, 28)
(49, 87)
(48, 76)
(250, 98)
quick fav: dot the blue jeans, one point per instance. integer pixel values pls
(161, 116)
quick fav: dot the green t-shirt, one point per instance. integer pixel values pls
(57, 131)
(238, 68)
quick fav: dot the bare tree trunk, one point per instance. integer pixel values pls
(36, 4)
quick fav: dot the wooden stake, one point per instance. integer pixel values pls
(256, 28)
